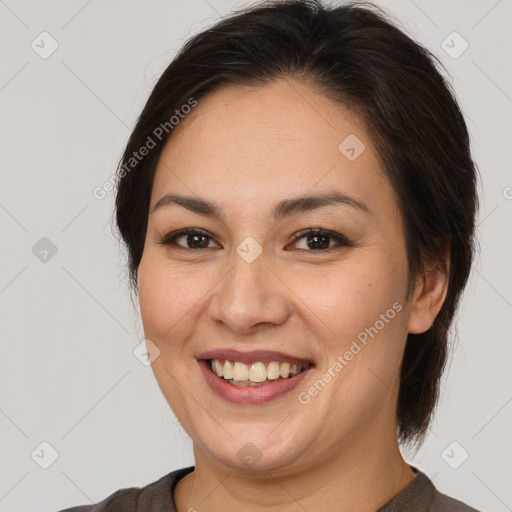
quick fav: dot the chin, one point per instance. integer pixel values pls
(254, 450)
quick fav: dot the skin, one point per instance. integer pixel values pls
(246, 149)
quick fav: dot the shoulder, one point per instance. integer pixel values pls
(443, 503)
(422, 496)
(139, 499)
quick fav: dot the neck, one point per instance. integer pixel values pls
(361, 476)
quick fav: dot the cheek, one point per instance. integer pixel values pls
(169, 296)
(363, 316)
(350, 299)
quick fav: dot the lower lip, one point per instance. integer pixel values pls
(250, 394)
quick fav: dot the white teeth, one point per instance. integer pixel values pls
(240, 371)
(273, 370)
(227, 371)
(217, 368)
(241, 374)
(284, 370)
(258, 372)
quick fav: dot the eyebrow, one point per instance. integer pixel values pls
(283, 209)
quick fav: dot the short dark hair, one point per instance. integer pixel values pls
(360, 59)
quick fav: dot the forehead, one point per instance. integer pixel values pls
(245, 143)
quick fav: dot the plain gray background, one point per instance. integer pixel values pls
(69, 376)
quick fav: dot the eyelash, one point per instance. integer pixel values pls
(341, 240)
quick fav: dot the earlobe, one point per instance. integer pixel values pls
(428, 298)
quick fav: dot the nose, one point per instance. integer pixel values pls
(249, 296)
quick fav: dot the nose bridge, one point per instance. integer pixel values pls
(249, 293)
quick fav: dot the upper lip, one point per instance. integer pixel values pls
(250, 357)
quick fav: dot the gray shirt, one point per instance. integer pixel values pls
(419, 496)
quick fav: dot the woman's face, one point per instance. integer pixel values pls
(244, 284)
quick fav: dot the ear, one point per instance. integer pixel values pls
(429, 294)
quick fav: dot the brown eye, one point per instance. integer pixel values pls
(318, 240)
(194, 239)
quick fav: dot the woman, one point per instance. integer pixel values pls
(298, 203)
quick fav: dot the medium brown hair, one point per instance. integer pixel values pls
(362, 60)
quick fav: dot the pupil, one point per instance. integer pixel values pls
(316, 237)
(195, 238)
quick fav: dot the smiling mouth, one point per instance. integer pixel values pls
(256, 374)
